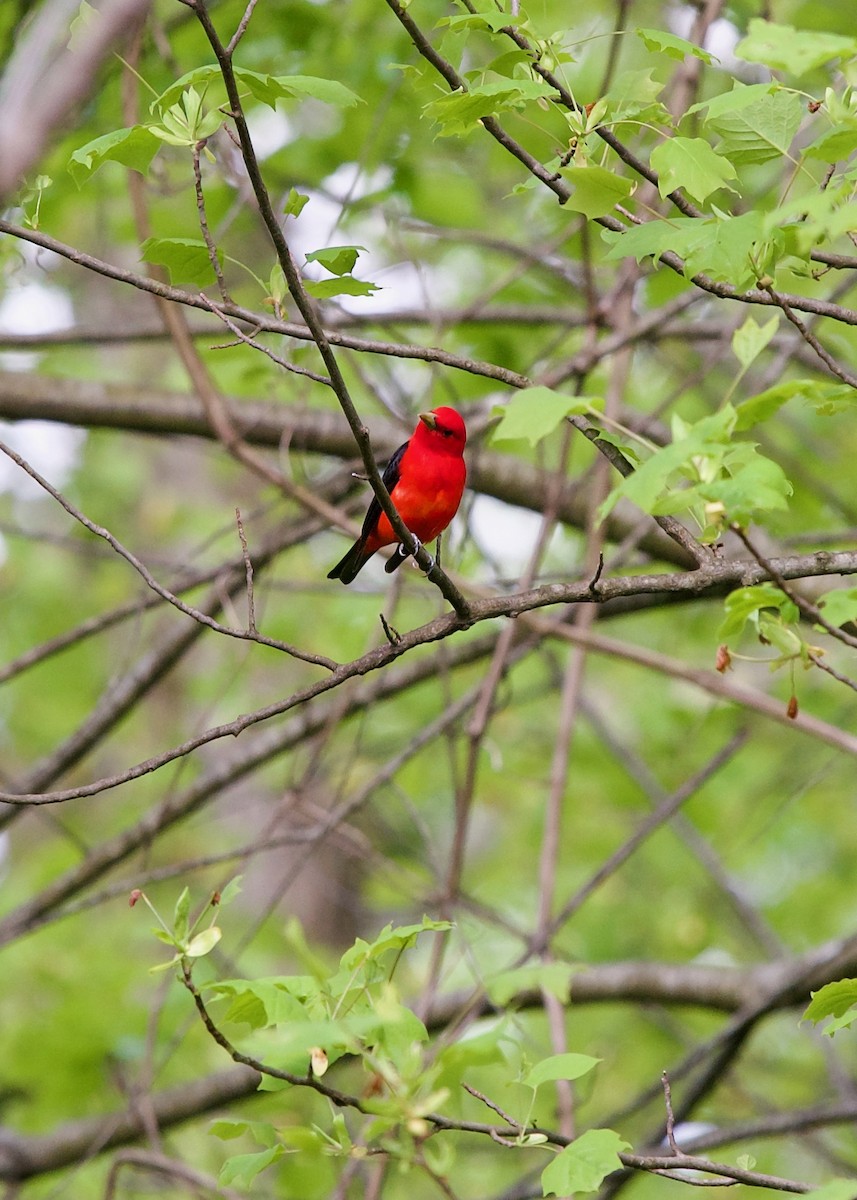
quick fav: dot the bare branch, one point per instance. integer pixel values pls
(197, 614)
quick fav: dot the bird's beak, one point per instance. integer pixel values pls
(428, 418)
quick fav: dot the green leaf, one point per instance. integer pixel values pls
(653, 238)
(31, 197)
(560, 1066)
(82, 25)
(200, 77)
(266, 88)
(458, 112)
(844, 1022)
(506, 63)
(164, 966)
(228, 1130)
(836, 999)
(192, 105)
(271, 1001)
(659, 41)
(232, 889)
(173, 132)
(833, 145)
(347, 285)
(339, 260)
(596, 190)
(784, 48)
(399, 1029)
(744, 604)
(262, 1132)
(277, 287)
(691, 164)
(242, 1169)
(186, 259)
(134, 147)
(730, 478)
(582, 1166)
(535, 412)
(825, 398)
(829, 398)
(295, 1041)
(759, 408)
(725, 248)
(741, 96)
(749, 484)
(204, 942)
(271, 88)
(720, 246)
(295, 202)
(180, 916)
(760, 131)
(647, 484)
(750, 340)
(775, 634)
(812, 219)
(390, 938)
(487, 19)
(839, 607)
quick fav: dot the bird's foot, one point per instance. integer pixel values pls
(419, 546)
(402, 552)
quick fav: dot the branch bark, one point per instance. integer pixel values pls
(116, 406)
(727, 989)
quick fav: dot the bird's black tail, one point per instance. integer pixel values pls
(395, 560)
(352, 563)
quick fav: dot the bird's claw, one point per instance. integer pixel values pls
(417, 547)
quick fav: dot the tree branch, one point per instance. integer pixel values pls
(114, 406)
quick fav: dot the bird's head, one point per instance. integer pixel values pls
(443, 426)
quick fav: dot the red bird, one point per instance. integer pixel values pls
(425, 479)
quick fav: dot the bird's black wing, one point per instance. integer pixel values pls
(390, 478)
(350, 566)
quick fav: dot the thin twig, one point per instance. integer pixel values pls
(307, 310)
(670, 1122)
(510, 1121)
(248, 573)
(202, 219)
(617, 459)
(695, 583)
(654, 821)
(442, 1122)
(249, 339)
(241, 29)
(320, 660)
(809, 610)
(809, 337)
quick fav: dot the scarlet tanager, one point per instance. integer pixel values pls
(425, 479)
